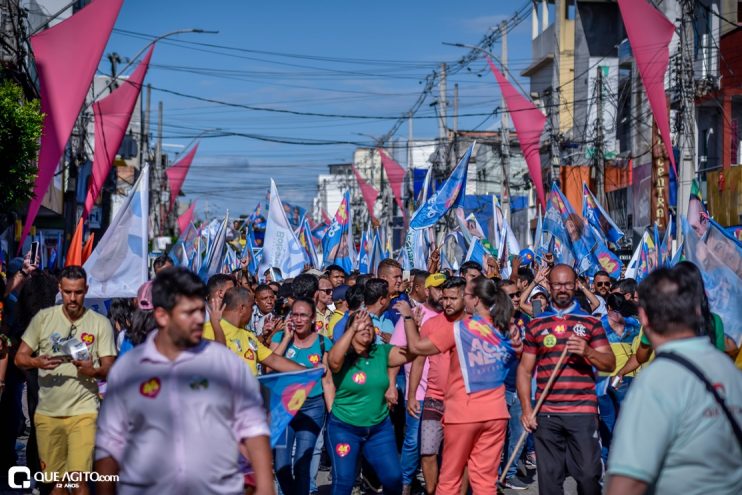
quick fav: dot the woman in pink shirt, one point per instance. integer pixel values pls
(476, 414)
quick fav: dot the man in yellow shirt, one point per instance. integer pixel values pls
(341, 307)
(322, 300)
(68, 388)
(227, 326)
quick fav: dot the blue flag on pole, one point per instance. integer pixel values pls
(485, 356)
(377, 253)
(335, 246)
(450, 195)
(364, 252)
(598, 218)
(215, 254)
(476, 252)
(288, 391)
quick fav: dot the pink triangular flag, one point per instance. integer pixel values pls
(112, 116)
(176, 174)
(395, 175)
(650, 33)
(186, 218)
(529, 124)
(367, 191)
(66, 58)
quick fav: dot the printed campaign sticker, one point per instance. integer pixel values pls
(150, 388)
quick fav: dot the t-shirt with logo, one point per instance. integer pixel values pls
(242, 342)
(63, 391)
(382, 325)
(322, 321)
(310, 357)
(360, 386)
(573, 392)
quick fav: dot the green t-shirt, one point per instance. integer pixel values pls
(360, 387)
(718, 334)
(311, 357)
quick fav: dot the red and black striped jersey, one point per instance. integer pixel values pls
(573, 392)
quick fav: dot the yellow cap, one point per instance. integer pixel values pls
(435, 280)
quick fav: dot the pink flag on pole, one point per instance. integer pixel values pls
(176, 174)
(367, 190)
(66, 57)
(650, 33)
(112, 116)
(529, 125)
(186, 218)
(395, 174)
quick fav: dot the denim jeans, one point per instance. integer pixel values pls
(515, 430)
(292, 471)
(609, 406)
(411, 447)
(346, 443)
(316, 458)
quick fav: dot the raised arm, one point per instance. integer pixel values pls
(415, 344)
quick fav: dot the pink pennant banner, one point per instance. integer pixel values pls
(367, 191)
(395, 174)
(112, 116)
(529, 125)
(650, 33)
(176, 174)
(66, 57)
(186, 218)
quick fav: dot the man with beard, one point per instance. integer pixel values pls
(566, 428)
(431, 419)
(179, 409)
(417, 384)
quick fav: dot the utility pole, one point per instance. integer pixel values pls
(442, 112)
(686, 165)
(552, 114)
(505, 132)
(599, 164)
(157, 188)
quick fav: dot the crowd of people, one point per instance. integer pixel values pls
(432, 381)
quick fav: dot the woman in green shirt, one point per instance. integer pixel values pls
(359, 421)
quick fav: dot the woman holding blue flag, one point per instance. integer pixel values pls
(303, 345)
(476, 415)
(359, 423)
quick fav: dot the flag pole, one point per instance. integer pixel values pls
(541, 399)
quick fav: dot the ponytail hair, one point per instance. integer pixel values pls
(495, 300)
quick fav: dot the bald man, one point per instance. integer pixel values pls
(566, 427)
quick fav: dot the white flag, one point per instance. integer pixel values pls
(118, 264)
(281, 248)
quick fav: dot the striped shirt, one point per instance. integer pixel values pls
(573, 392)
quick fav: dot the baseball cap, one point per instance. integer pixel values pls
(435, 280)
(539, 290)
(144, 296)
(339, 292)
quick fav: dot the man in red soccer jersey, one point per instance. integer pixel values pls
(566, 428)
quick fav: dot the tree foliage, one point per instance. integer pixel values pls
(20, 130)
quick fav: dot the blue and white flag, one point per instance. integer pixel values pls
(599, 218)
(364, 253)
(249, 251)
(117, 267)
(719, 258)
(288, 392)
(450, 195)
(476, 253)
(335, 246)
(281, 248)
(485, 356)
(214, 260)
(416, 249)
(377, 254)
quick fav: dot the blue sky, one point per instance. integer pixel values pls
(347, 58)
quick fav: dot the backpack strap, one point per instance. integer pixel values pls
(688, 365)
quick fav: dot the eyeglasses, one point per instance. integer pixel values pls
(326, 291)
(568, 285)
(301, 316)
(602, 284)
(514, 295)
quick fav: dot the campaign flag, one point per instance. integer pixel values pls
(647, 256)
(485, 355)
(598, 217)
(288, 391)
(249, 251)
(230, 262)
(215, 252)
(539, 231)
(554, 236)
(281, 248)
(663, 255)
(607, 259)
(502, 225)
(720, 260)
(117, 267)
(304, 235)
(335, 249)
(698, 217)
(364, 252)
(427, 186)
(377, 253)
(633, 265)
(450, 195)
(181, 250)
(476, 253)
(416, 248)
(581, 238)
